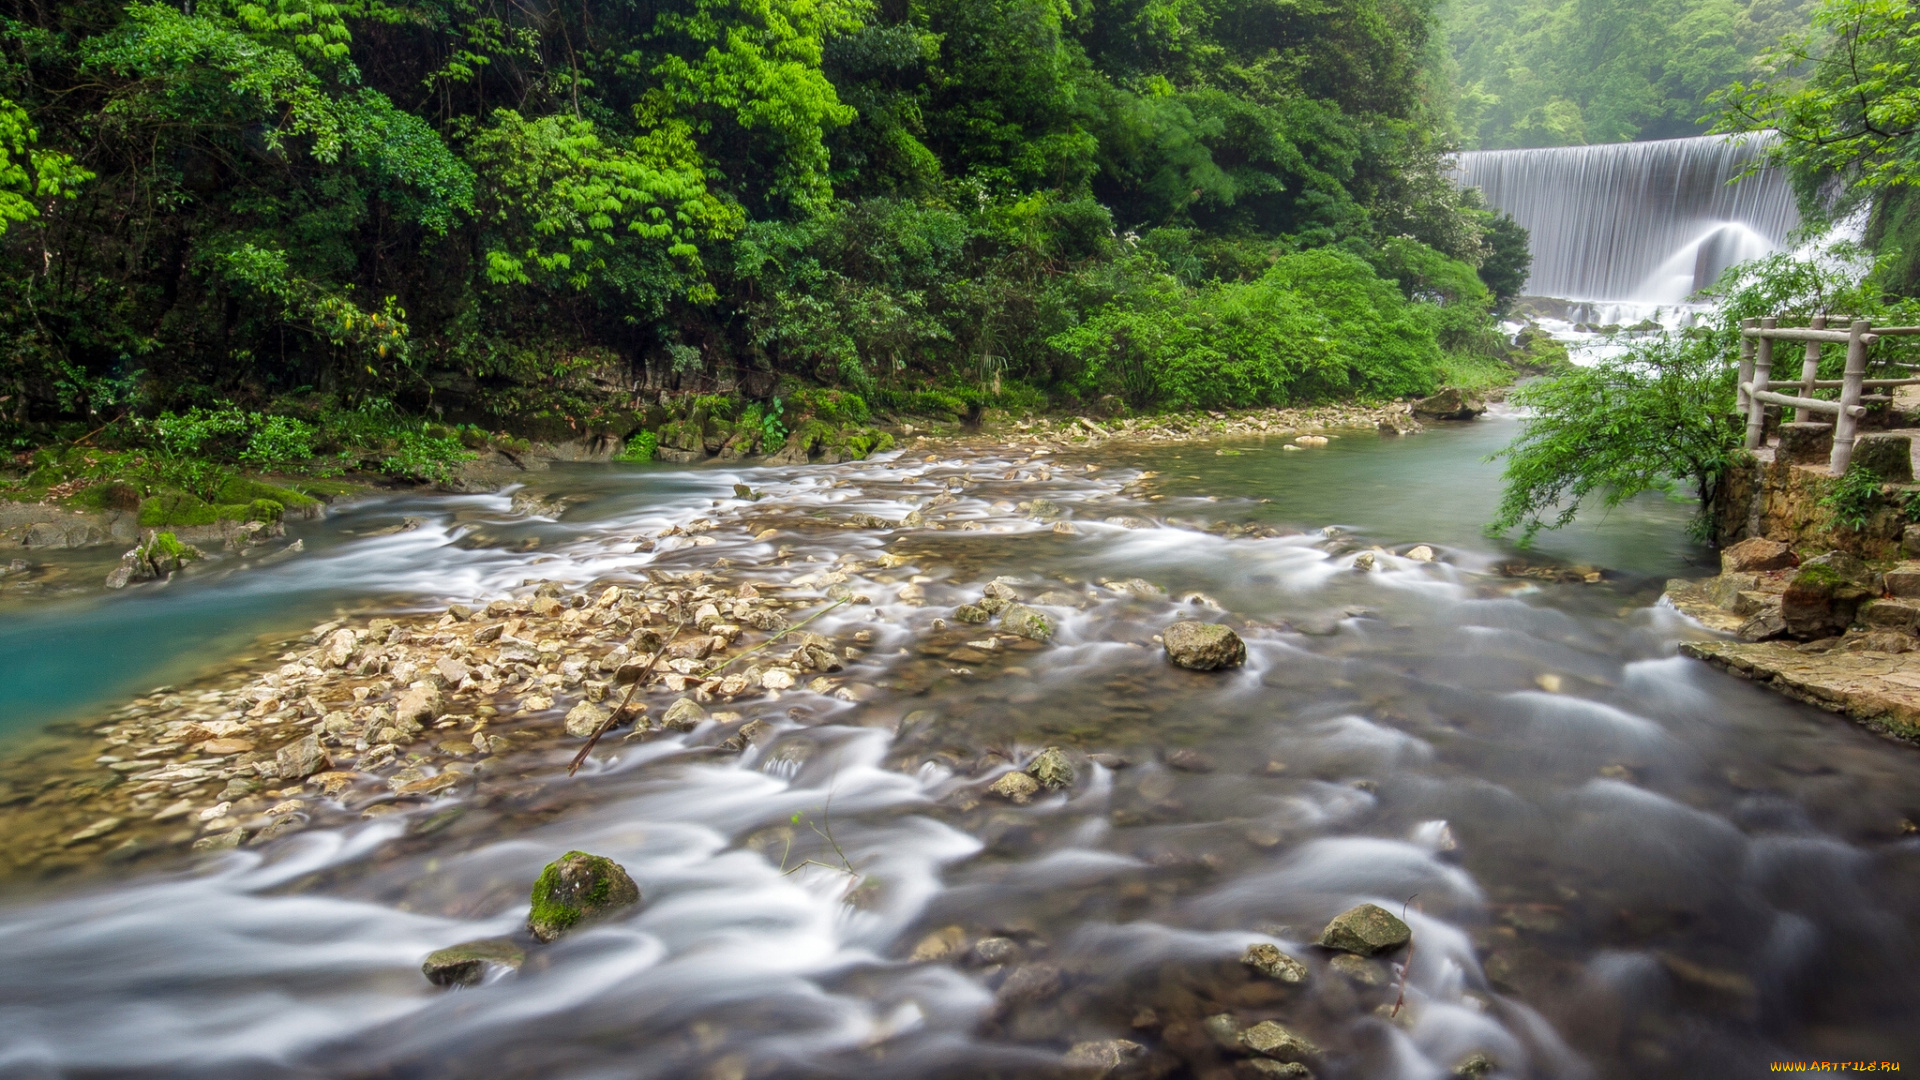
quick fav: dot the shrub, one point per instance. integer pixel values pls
(1318, 324)
(1853, 497)
(640, 447)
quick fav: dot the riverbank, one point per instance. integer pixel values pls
(1830, 630)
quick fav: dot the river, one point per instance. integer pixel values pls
(1616, 862)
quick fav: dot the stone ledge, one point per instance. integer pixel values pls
(1879, 691)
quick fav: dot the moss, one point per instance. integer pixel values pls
(576, 888)
(1822, 578)
(113, 495)
(166, 546)
(176, 508)
(265, 510)
(241, 490)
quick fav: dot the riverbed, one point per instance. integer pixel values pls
(1615, 862)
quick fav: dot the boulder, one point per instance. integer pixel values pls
(466, 964)
(1367, 930)
(1820, 602)
(1026, 621)
(1888, 457)
(1280, 1043)
(971, 613)
(1805, 444)
(1910, 541)
(1202, 646)
(1847, 566)
(1903, 581)
(1449, 404)
(1756, 555)
(1891, 614)
(577, 889)
(1725, 590)
(1051, 768)
(1268, 960)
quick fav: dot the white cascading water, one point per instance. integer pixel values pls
(1640, 223)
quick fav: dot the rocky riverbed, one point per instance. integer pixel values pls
(1132, 760)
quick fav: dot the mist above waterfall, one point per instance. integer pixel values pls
(1643, 222)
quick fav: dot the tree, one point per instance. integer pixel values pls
(1844, 98)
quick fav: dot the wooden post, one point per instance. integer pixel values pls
(1741, 403)
(1809, 371)
(1847, 423)
(1762, 371)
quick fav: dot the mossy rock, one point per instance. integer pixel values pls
(113, 495)
(1028, 622)
(576, 889)
(242, 491)
(177, 509)
(265, 510)
(1051, 768)
(1888, 457)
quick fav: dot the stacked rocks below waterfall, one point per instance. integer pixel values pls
(1830, 629)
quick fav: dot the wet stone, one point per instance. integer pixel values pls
(1200, 646)
(1278, 1042)
(1357, 969)
(1015, 786)
(1102, 1058)
(1051, 768)
(1366, 930)
(584, 719)
(1268, 960)
(577, 889)
(1027, 622)
(1265, 1067)
(466, 964)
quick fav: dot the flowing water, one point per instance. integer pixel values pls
(1616, 862)
(1642, 223)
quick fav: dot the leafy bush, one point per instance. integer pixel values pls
(1853, 498)
(1316, 325)
(640, 447)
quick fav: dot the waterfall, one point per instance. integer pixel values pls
(1639, 222)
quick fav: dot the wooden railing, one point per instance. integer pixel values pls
(1758, 387)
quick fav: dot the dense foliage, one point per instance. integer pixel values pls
(528, 215)
(1565, 72)
(1845, 99)
(1661, 414)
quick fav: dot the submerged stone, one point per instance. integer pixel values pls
(1202, 646)
(466, 964)
(1051, 768)
(1027, 622)
(1102, 1058)
(1280, 1043)
(1015, 786)
(1268, 960)
(1367, 930)
(576, 889)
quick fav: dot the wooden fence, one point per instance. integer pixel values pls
(1758, 387)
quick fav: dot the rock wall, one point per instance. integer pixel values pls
(1781, 502)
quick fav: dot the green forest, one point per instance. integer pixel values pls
(1527, 73)
(293, 230)
(326, 236)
